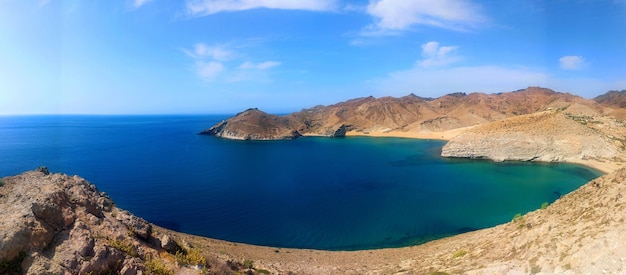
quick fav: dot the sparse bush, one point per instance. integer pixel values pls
(191, 257)
(1, 182)
(535, 269)
(249, 264)
(157, 266)
(544, 205)
(459, 253)
(518, 217)
(124, 246)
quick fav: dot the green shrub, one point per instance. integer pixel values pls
(249, 264)
(1, 182)
(518, 217)
(192, 257)
(544, 205)
(157, 266)
(459, 253)
(124, 246)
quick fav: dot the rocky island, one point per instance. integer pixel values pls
(61, 224)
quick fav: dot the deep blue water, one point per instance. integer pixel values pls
(343, 193)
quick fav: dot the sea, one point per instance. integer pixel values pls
(348, 193)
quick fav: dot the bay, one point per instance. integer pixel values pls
(323, 193)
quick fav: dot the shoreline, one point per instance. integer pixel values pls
(431, 256)
(605, 167)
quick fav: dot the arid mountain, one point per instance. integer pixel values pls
(614, 103)
(612, 99)
(405, 114)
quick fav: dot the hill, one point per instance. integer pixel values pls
(408, 114)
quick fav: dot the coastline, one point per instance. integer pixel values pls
(605, 167)
(551, 240)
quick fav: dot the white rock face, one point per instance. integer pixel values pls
(548, 136)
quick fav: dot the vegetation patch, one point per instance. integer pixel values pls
(1, 182)
(13, 266)
(157, 267)
(190, 257)
(544, 205)
(124, 246)
(459, 253)
(535, 269)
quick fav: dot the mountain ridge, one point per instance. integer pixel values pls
(409, 113)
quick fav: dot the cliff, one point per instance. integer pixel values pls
(408, 114)
(545, 136)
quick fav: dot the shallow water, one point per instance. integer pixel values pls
(342, 193)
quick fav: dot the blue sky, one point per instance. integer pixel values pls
(222, 56)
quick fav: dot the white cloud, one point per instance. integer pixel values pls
(207, 7)
(202, 51)
(435, 55)
(139, 3)
(208, 70)
(219, 63)
(398, 15)
(259, 66)
(572, 62)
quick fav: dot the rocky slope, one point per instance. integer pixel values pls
(60, 224)
(544, 136)
(405, 114)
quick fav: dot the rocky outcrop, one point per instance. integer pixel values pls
(60, 224)
(546, 136)
(405, 114)
(254, 124)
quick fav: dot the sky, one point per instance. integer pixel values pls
(224, 56)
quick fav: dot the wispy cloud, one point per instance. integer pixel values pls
(572, 62)
(209, 70)
(218, 63)
(208, 7)
(202, 51)
(435, 55)
(138, 3)
(398, 15)
(259, 66)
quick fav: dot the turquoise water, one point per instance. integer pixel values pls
(343, 193)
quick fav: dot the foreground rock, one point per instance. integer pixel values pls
(60, 224)
(387, 114)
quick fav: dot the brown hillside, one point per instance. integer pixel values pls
(408, 114)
